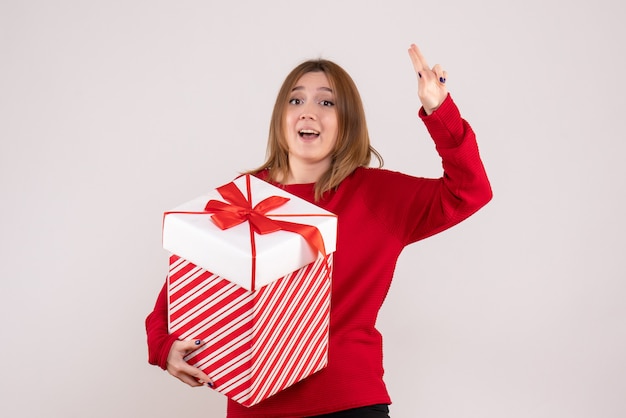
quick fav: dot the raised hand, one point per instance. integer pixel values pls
(431, 82)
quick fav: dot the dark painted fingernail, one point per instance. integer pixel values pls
(419, 75)
(209, 384)
(198, 342)
(443, 80)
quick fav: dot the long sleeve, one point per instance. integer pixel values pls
(465, 187)
(414, 208)
(159, 340)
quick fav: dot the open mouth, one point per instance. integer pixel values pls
(308, 134)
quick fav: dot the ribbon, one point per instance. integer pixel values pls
(238, 210)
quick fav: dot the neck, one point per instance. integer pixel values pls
(305, 174)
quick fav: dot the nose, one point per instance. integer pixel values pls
(307, 112)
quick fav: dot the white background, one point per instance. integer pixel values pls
(113, 111)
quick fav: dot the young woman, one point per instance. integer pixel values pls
(319, 149)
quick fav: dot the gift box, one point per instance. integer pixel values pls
(265, 319)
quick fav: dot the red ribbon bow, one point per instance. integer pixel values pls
(239, 210)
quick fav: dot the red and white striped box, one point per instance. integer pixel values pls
(258, 342)
(264, 333)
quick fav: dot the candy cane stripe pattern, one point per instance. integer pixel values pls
(258, 342)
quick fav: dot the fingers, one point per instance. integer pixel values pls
(186, 375)
(421, 66)
(440, 74)
(189, 374)
(419, 62)
(189, 346)
(179, 368)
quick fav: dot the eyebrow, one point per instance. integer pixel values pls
(328, 89)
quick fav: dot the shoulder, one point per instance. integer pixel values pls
(375, 183)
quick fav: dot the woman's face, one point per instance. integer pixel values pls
(310, 123)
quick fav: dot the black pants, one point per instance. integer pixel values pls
(373, 411)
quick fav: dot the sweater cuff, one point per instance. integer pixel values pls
(445, 124)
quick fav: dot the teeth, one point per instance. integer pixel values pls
(309, 131)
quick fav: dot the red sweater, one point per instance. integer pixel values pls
(379, 213)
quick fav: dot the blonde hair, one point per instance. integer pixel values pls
(352, 148)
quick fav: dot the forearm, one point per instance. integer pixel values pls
(159, 339)
(464, 173)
